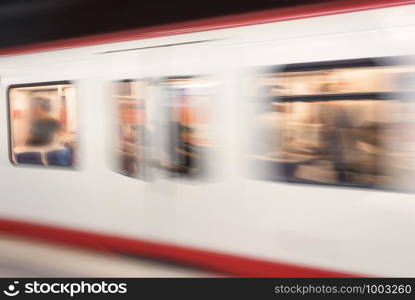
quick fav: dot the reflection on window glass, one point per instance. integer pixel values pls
(132, 127)
(43, 124)
(336, 123)
(186, 105)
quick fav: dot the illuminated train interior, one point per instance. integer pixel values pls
(283, 142)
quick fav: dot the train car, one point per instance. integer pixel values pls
(277, 143)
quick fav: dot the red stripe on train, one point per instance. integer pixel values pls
(226, 264)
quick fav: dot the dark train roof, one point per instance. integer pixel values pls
(30, 26)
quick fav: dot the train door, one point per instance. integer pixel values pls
(161, 191)
(192, 144)
(140, 190)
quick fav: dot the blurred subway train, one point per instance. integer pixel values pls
(279, 143)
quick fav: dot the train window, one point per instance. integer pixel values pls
(132, 127)
(342, 123)
(187, 112)
(43, 124)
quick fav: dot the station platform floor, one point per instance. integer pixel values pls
(22, 257)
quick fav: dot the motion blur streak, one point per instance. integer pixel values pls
(283, 147)
(345, 122)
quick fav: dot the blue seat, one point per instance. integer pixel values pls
(61, 157)
(70, 150)
(29, 158)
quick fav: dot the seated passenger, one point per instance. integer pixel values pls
(44, 131)
(44, 127)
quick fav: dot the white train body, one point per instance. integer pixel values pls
(353, 230)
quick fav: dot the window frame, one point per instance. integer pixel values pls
(162, 83)
(147, 172)
(9, 122)
(327, 65)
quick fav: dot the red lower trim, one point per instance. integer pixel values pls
(226, 264)
(275, 15)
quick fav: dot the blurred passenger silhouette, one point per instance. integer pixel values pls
(44, 129)
(339, 142)
(46, 133)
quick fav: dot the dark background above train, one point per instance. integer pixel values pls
(25, 22)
